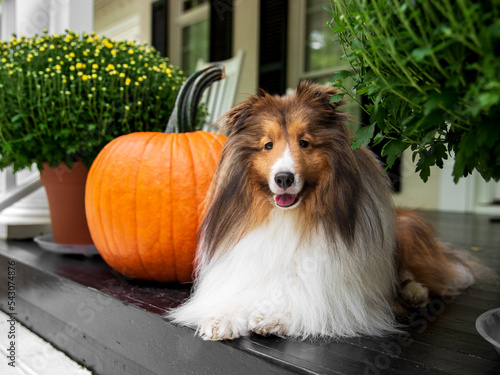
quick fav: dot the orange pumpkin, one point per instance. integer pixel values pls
(143, 201)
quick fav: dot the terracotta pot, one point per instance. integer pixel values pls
(66, 195)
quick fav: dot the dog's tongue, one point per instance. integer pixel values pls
(285, 199)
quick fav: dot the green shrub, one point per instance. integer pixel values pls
(432, 71)
(63, 97)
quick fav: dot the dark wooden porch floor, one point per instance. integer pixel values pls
(112, 325)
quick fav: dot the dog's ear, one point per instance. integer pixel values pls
(234, 119)
(307, 90)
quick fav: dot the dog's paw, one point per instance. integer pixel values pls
(220, 328)
(268, 325)
(414, 295)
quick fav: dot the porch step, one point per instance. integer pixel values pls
(27, 354)
(113, 325)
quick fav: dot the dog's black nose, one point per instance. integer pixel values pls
(284, 179)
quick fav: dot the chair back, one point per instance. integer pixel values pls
(219, 97)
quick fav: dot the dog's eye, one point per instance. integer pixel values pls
(303, 144)
(268, 146)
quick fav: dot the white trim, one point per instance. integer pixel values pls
(122, 27)
(471, 194)
(77, 15)
(296, 29)
(296, 70)
(177, 20)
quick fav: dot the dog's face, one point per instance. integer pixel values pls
(288, 162)
(288, 144)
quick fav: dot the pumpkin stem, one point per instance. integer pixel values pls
(183, 116)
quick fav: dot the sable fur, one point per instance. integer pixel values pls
(335, 263)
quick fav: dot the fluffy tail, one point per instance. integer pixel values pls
(443, 270)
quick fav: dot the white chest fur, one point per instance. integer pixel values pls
(306, 287)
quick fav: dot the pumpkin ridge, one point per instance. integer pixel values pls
(114, 228)
(196, 163)
(209, 140)
(99, 214)
(90, 192)
(171, 205)
(140, 256)
(164, 234)
(183, 244)
(106, 197)
(192, 152)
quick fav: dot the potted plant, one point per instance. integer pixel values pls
(431, 72)
(64, 97)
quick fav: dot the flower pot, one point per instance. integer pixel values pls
(66, 195)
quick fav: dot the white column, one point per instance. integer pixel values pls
(30, 216)
(76, 15)
(455, 197)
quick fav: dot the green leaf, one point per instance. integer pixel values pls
(423, 165)
(379, 137)
(336, 98)
(17, 117)
(440, 154)
(393, 149)
(363, 136)
(362, 90)
(427, 138)
(342, 74)
(488, 99)
(420, 53)
(431, 104)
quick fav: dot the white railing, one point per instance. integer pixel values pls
(11, 192)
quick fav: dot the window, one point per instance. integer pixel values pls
(313, 52)
(321, 53)
(189, 33)
(195, 45)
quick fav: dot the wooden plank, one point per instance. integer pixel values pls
(105, 334)
(119, 326)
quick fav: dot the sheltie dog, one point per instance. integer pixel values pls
(300, 236)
